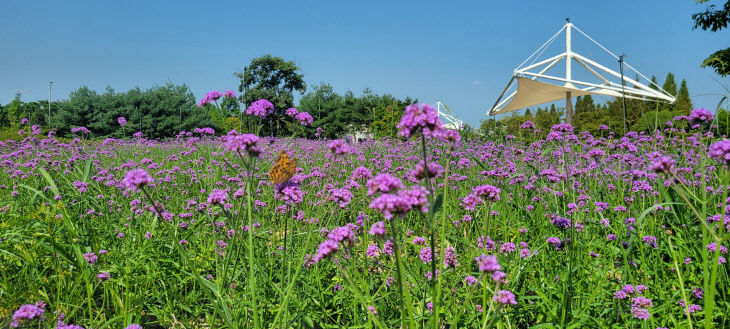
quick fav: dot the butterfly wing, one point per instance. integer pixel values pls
(275, 171)
(283, 169)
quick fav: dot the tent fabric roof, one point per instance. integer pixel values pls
(537, 86)
(532, 92)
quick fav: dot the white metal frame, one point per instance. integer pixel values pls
(631, 89)
(458, 124)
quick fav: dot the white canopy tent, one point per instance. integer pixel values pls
(536, 85)
(450, 121)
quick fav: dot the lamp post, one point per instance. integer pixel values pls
(623, 88)
(49, 105)
(243, 101)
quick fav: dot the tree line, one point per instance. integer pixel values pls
(163, 111)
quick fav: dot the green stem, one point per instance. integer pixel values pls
(251, 276)
(681, 283)
(434, 296)
(405, 297)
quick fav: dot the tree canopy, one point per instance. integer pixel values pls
(347, 113)
(714, 19)
(274, 79)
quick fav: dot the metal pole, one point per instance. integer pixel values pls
(568, 72)
(49, 105)
(568, 108)
(243, 97)
(623, 88)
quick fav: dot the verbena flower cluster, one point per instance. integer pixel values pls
(260, 108)
(419, 118)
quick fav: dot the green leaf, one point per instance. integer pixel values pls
(35, 194)
(719, 104)
(437, 204)
(50, 181)
(548, 150)
(640, 222)
(87, 170)
(479, 162)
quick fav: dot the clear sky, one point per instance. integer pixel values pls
(459, 52)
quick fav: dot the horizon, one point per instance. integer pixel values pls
(404, 50)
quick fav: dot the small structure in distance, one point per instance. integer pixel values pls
(450, 121)
(537, 85)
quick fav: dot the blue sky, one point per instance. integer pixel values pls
(459, 52)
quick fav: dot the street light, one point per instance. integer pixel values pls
(49, 105)
(623, 88)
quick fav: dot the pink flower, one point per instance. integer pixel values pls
(505, 297)
(488, 263)
(260, 108)
(304, 118)
(419, 118)
(136, 178)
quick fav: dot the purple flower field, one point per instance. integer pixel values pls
(560, 229)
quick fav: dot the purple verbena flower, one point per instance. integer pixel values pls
(217, 196)
(377, 229)
(260, 108)
(488, 263)
(505, 297)
(419, 118)
(136, 178)
(720, 151)
(304, 118)
(700, 115)
(383, 183)
(292, 111)
(27, 312)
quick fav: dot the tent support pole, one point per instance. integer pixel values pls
(623, 88)
(568, 109)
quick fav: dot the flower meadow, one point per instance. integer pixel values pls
(556, 229)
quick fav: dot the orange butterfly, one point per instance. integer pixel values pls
(283, 168)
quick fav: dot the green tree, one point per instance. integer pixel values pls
(669, 86)
(387, 112)
(723, 122)
(274, 79)
(15, 111)
(652, 120)
(715, 19)
(544, 119)
(493, 129)
(158, 112)
(654, 83)
(323, 103)
(4, 120)
(80, 110)
(683, 105)
(584, 104)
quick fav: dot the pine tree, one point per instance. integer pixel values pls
(542, 119)
(654, 83)
(584, 104)
(669, 86)
(683, 104)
